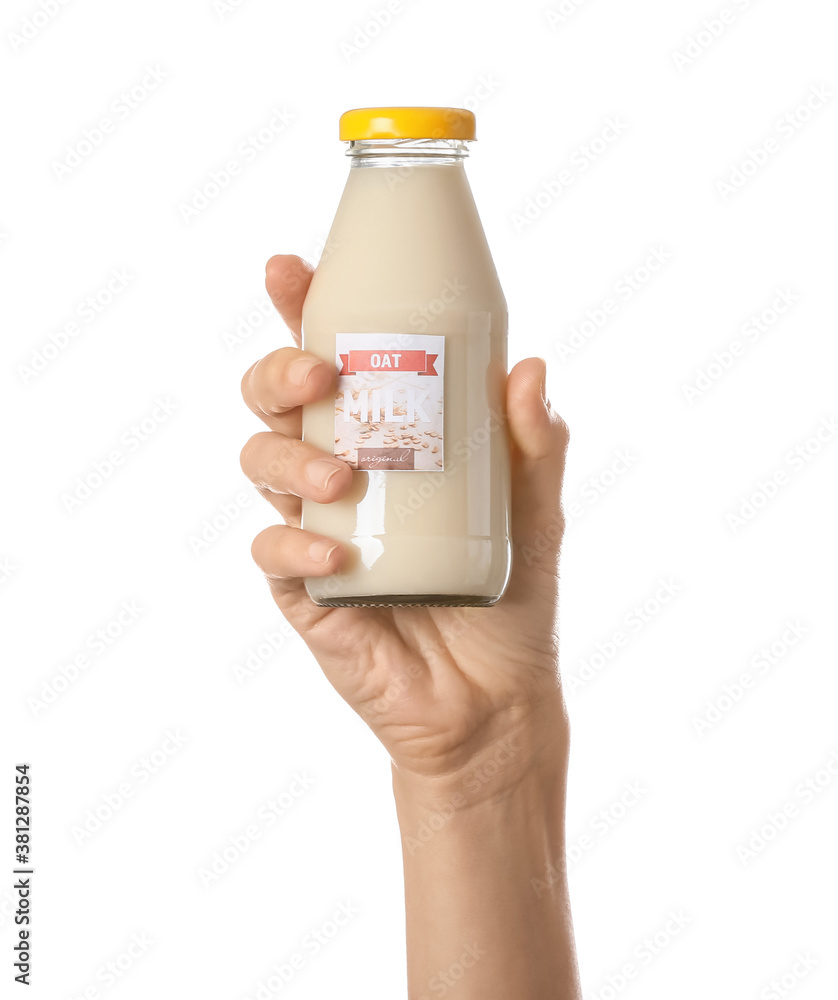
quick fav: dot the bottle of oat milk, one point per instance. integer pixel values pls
(406, 302)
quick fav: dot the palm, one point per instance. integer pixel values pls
(427, 679)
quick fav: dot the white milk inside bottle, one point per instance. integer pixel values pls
(406, 303)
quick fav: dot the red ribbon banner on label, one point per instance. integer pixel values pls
(388, 361)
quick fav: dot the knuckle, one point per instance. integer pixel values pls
(284, 275)
(246, 456)
(264, 545)
(258, 547)
(563, 431)
(247, 382)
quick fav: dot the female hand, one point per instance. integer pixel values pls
(440, 687)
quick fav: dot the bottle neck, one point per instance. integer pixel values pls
(406, 152)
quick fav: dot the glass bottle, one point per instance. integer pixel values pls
(406, 302)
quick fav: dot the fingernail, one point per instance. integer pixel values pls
(300, 369)
(321, 550)
(543, 385)
(319, 472)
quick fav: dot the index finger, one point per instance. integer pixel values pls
(287, 278)
(281, 382)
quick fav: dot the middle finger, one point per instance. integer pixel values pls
(281, 464)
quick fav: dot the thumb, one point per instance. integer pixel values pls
(539, 439)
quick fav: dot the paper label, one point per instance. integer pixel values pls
(389, 401)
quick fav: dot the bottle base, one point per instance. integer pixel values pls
(408, 601)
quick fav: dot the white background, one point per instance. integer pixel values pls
(543, 87)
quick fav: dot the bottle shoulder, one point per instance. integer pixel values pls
(408, 238)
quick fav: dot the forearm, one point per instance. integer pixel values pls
(485, 882)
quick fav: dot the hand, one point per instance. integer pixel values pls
(442, 688)
(466, 700)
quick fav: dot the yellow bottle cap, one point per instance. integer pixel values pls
(407, 123)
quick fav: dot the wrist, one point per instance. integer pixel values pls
(509, 790)
(522, 761)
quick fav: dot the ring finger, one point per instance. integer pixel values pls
(284, 465)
